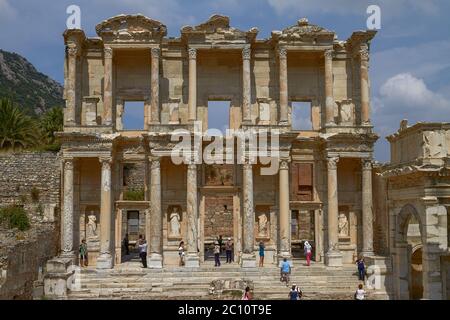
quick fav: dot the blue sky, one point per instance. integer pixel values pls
(410, 61)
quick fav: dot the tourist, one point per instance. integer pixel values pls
(308, 252)
(360, 294)
(83, 253)
(217, 255)
(229, 250)
(181, 253)
(220, 242)
(294, 293)
(247, 295)
(126, 244)
(361, 268)
(143, 252)
(285, 271)
(261, 254)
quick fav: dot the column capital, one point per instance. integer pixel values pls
(72, 49)
(247, 166)
(108, 52)
(68, 163)
(282, 53)
(332, 163)
(155, 52)
(364, 54)
(284, 164)
(192, 52)
(192, 166)
(366, 164)
(155, 162)
(329, 54)
(246, 52)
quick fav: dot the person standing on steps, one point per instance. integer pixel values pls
(360, 294)
(294, 293)
(261, 253)
(229, 250)
(247, 295)
(361, 268)
(143, 252)
(126, 245)
(83, 253)
(285, 270)
(181, 253)
(216, 255)
(308, 253)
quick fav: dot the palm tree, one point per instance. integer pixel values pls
(52, 121)
(17, 130)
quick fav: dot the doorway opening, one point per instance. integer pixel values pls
(302, 229)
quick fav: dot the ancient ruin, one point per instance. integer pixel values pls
(328, 189)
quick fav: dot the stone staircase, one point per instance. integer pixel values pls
(130, 281)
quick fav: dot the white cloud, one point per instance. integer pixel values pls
(406, 90)
(7, 12)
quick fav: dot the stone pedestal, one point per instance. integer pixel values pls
(192, 260)
(58, 278)
(154, 261)
(333, 259)
(248, 260)
(105, 261)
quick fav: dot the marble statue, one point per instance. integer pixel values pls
(175, 223)
(92, 225)
(262, 225)
(343, 225)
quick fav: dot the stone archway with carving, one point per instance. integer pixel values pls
(404, 250)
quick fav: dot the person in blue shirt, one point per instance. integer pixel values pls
(285, 271)
(261, 253)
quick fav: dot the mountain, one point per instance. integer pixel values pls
(33, 91)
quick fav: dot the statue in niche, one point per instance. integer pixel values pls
(262, 225)
(343, 225)
(175, 226)
(92, 225)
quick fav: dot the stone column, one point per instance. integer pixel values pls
(248, 254)
(67, 236)
(367, 210)
(365, 95)
(192, 107)
(282, 53)
(333, 255)
(246, 85)
(285, 215)
(192, 257)
(329, 97)
(155, 254)
(70, 113)
(155, 114)
(105, 260)
(107, 87)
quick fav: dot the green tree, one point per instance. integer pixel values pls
(17, 130)
(52, 121)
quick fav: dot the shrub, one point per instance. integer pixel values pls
(15, 217)
(134, 195)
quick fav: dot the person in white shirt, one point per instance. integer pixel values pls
(360, 294)
(143, 252)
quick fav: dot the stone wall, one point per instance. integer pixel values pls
(20, 173)
(32, 180)
(22, 260)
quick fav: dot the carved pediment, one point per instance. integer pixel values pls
(303, 30)
(131, 28)
(217, 27)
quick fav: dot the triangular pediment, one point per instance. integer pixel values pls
(303, 30)
(131, 28)
(218, 27)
